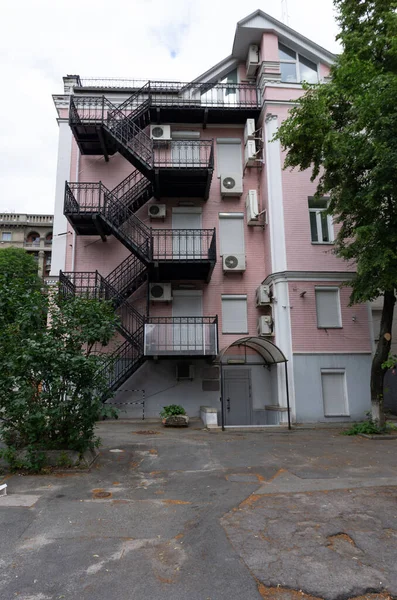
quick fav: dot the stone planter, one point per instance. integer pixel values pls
(176, 421)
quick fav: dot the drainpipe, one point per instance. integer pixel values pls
(74, 233)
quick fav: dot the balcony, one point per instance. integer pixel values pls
(170, 102)
(182, 254)
(181, 336)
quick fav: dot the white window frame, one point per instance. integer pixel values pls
(328, 288)
(330, 225)
(297, 69)
(337, 372)
(226, 298)
(3, 233)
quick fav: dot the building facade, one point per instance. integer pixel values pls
(33, 233)
(220, 263)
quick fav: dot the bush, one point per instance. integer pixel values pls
(370, 427)
(172, 410)
(52, 381)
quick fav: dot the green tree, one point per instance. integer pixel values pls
(18, 278)
(346, 133)
(52, 378)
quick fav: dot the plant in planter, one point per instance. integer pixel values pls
(174, 415)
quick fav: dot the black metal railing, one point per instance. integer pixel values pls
(89, 109)
(184, 154)
(131, 187)
(92, 285)
(135, 102)
(174, 93)
(127, 276)
(176, 336)
(120, 364)
(183, 244)
(84, 197)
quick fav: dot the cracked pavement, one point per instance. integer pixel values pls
(190, 514)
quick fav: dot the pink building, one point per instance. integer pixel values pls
(219, 262)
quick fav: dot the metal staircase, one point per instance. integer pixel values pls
(172, 169)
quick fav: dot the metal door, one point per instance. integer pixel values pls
(237, 398)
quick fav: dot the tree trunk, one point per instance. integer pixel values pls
(381, 355)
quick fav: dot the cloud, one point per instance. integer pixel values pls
(43, 40)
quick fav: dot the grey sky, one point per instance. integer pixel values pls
(43, 40)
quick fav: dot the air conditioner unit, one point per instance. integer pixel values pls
(160, 132)
(263, 296)
(234, 263)
(231, 185)
(251, 206)
(249, 130)
(265, 325)
(160, 292)
(157, 211)
(250, 154)
(252, 60)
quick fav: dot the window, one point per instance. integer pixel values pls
(229, 156)
(223, 92)
(296, 68)
(231, 233)
(328, 307)
(321, 228)
(234, 314)
(333, 383)
(33, 239)
(6, 236)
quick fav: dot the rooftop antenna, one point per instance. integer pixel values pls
(284, 12)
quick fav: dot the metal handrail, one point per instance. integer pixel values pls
(183, 154)
(183, 320)
(215, 94)
(183, 244)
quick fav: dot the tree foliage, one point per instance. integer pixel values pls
(52, 382)
(346, 133)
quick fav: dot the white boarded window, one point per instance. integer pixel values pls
(333, 382)
(328, 307)
(231, 233)
(229, 156)
(234, 314)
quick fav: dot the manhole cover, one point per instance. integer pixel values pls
(102, 494)
(147, 432)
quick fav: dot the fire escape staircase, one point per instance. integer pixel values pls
(92, 208)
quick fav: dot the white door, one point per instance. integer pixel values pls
(188, 330)
(186, 244)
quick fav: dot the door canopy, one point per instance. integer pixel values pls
(270, 353)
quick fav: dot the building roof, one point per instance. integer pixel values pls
(250, 30)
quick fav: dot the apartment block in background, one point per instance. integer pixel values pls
(33, 233)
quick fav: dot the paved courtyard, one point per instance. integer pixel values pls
(194, 515)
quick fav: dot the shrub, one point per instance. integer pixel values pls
(52, 381)
(172, 410)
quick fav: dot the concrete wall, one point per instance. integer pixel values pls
(308, 389)
(161, 386)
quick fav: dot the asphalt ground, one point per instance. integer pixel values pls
(187, 514)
